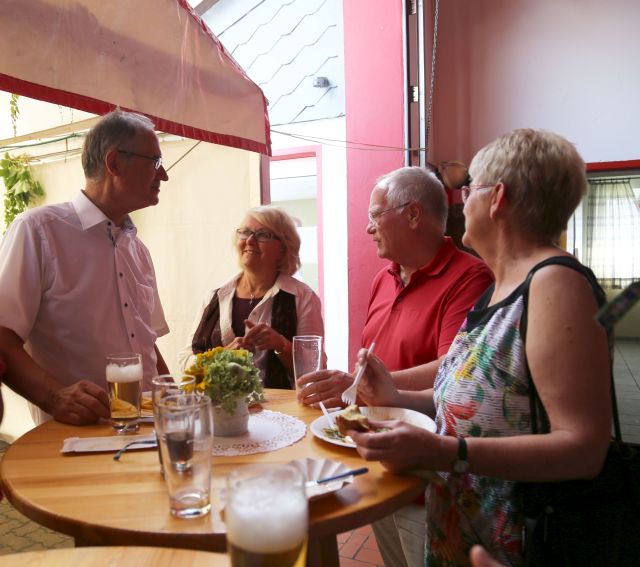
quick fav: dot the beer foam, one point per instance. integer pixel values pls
(131, 373)
(266, 521)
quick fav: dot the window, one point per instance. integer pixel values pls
(608, 227)
(294, 187)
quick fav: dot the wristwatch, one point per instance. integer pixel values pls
(461, 464)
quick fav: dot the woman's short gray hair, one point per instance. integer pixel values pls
(416, 184)
(279, 222)
(111, 131)
(544, 175)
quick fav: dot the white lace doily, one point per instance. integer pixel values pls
(268, 431)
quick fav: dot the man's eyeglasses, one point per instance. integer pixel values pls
(259, 235)
(156, 159)
(373, 216)
(468, 189)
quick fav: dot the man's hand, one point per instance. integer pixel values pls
(324, 386)
(80, 404)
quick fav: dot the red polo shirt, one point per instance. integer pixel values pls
(416, 324)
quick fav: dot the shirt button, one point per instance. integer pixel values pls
(120, 274)
(133, 335)
(126, 305)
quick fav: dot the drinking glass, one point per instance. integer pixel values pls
(185, 429)
(166, 385)
(273, 498)
(307, 353)
(124, 379)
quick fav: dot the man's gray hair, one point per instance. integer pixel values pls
(114, 129)
(416, 184)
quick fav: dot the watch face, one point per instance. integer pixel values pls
(460, 467)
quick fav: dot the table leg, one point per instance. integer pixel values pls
(323, 552)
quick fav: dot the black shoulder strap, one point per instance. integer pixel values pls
(535, 404)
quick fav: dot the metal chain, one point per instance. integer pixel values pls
(433, 79)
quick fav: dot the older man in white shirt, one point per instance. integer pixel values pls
(77, 284)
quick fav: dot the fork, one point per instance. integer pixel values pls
(349, 395)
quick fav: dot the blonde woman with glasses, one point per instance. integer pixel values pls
(263, 307)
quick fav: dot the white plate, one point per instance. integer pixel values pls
(377, 413)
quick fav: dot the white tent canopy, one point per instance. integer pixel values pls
(156, 57)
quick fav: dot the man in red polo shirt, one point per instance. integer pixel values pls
(418, 302)
(420, 299)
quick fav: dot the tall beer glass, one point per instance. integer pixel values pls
(124, 379)
(273, 498)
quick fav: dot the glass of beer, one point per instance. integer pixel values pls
(166, 385)
(124, 379)
(307, 354)
(184, 426)
(272, 497)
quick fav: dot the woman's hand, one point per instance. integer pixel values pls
(239, 342)
(262, 336)
(400, 446)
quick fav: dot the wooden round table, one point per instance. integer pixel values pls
(99, 501)
(100, 556)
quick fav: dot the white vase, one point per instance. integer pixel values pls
(231, 424)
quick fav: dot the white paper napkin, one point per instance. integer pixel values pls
(97, 444)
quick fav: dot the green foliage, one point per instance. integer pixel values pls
(226, 376)
(21, 189)
(14, 111)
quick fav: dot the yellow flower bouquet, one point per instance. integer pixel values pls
(227, 376)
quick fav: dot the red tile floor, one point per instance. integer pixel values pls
(359, 549)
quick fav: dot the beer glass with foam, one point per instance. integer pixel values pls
(124, 380)
(273, 498)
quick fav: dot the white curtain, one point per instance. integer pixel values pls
(612, 232)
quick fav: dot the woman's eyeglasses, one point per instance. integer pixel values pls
(468, 189)
(259, 235)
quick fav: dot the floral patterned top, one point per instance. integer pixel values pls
(481, 390)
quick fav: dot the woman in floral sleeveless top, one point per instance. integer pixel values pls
(526, 186)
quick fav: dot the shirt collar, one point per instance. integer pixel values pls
(90, 215)
(436, 266)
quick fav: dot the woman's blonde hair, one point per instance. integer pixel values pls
(544, 175)
(279, 222)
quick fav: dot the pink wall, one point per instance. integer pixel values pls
(374, 109)
(566, 65)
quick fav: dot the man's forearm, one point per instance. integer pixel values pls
(23, 375)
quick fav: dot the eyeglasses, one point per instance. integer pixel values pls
(373, 216)
(260, 235)
(156, 159)
(468, 189)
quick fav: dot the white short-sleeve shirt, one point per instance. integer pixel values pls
(75, 288)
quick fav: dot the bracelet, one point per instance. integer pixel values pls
(284, 346)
